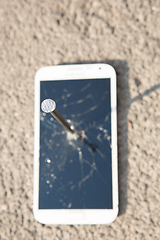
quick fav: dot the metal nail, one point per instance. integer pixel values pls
(49, 106)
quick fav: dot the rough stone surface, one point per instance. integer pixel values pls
(36, 33)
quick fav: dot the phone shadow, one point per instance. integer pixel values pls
(123, 103)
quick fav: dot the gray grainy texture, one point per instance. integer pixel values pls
(127, 35)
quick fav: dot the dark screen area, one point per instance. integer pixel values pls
(76, 173)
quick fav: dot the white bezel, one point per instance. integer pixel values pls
(76, 216)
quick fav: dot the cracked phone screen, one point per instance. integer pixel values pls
(76, 173)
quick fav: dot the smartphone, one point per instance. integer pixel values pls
(76, 178)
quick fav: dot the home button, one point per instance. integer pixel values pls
(75, 216)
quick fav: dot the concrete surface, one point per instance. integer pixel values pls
(127, 35)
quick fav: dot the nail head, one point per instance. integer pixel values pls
(48, 105)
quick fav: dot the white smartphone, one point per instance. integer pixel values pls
(75, 175)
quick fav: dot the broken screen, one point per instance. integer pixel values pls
(76, 173)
